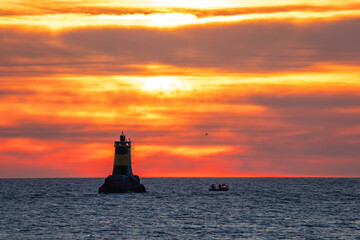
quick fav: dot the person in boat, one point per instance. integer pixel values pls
(213, 186)
(219, 186)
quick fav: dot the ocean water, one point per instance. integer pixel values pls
(182, 208)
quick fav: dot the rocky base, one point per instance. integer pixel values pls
(122, 184)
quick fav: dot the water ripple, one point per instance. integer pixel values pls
(182, 208)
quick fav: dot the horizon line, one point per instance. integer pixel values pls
(191, 177)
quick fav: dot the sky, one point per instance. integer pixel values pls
(203, 88)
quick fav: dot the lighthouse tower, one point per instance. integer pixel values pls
(122, 179)
(122, 159)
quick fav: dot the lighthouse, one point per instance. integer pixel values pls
(122, 179)
(122, 159)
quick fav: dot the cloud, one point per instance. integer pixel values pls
(243, 47)
(307, 100)
(79, 7)
(268, 122)
(258, 46)
(53, 131)
(8, 92)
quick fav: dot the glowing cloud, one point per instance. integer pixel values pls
(162, 20)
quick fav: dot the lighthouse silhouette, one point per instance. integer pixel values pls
(122, 159)
(122, 179)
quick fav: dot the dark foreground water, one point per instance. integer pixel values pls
(182, 208)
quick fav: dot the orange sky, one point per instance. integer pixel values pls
(276, 87)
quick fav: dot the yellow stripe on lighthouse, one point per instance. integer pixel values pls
(121, 160)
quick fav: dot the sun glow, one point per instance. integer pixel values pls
(163, 84)
(162, 20)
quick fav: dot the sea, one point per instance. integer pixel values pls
(181, 208)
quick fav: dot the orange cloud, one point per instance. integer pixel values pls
(60, 22)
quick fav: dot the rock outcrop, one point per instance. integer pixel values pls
(122, 184)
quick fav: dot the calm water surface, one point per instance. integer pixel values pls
(182, 208)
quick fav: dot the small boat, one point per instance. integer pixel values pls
(219, 189)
